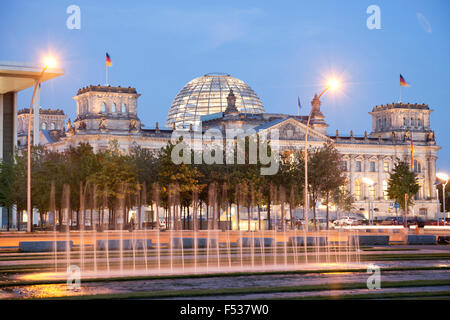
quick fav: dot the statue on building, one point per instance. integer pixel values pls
(231, 103)
(102, 124)
(431, 136)
(82, 125)
(70, 127)
(407, 135)
(393, 135)
(133, 125)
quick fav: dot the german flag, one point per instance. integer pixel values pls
(403, 82)
(108, 60)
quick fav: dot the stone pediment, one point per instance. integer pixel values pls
(292, 129)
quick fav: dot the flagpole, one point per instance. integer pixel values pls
(106, 72)
(400, 94)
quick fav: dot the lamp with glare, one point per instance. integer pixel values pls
(333, 84)
(49, 62)
(368, 181)
(442, 176)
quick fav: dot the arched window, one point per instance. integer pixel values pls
(417, 166)
(113, 109)
(385, 188)
(405, 122)
(52, 126)
(44, 126)
(103, 108)
(419, 122)
(412, 122)
(357, 190)
(124, 108)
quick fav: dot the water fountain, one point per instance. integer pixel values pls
(105, 253)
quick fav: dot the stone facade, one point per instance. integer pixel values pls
(51, 125)
(110, 113)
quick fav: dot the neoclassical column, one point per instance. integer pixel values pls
(380, 177)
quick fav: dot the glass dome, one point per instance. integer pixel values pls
(208, 94)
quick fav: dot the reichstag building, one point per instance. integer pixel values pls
(106, 113)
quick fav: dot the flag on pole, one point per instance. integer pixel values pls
(108, 60)
(412, 153)
(403, 82)
(299, 105)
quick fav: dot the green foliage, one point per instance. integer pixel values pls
(402, 181)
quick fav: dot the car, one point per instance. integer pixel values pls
(416, 221)
(440, 223)
(346, 221)
(392, 221)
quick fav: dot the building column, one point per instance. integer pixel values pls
(380, 178)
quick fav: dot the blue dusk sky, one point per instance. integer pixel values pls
(282, 49)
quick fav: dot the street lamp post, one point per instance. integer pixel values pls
(443, 177)
(370, 183)
(49, 62)
(332, 84)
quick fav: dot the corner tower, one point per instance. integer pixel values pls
(399, 120)
(106, 108)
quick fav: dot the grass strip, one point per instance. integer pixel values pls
(259, 290)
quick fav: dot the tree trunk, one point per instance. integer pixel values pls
(268, 213)
(8, 222)
(328, 217)
(18, 219)
(259, 217)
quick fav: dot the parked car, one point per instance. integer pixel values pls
(345, 221)
(441, 222)
(392, 221)
(416, 221)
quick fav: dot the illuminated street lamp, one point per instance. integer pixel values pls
(370, 183)
(333, 84)
(49, 62)
(443, 177)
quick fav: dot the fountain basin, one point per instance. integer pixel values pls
(44, 246)
(421, 239)
(127, 244)
(177, 243)
(257, 242)
(369, 240)
(310, 241)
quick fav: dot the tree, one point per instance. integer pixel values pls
(402, 186)
(6, 187)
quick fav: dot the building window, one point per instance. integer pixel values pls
(344, 165)
(357, 190)
(385, 192)
(419, 122)
(358, 166)
(386, 166)
(103, 108)
(423, 211)
(405, 122)
(412, 122)
(52, 126)
(44, 126)
(124, 108)
(417, 166)
(385, 122)
(372, 166)
(114, 109)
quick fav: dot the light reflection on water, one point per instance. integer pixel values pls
(49, 291)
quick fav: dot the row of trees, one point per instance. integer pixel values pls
(115, 181)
